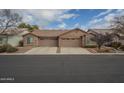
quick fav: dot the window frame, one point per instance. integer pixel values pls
(29, 40)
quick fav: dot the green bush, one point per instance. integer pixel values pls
(122, 47)
(116, 45)
(7, 48)
(3, 48)
(90, 46)
(11, 49)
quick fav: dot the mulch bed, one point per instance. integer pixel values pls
(23, 49)
(102, 50)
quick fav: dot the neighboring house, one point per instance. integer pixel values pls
(57, 38)
(105, 31)
(13, 35)
(89, 42)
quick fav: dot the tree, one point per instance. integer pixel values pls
(101, 39)
(28, 26)
(118, 24)
(22, 25)
(35, 27)
(8, 19)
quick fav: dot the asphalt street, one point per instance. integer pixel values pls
(62, 68)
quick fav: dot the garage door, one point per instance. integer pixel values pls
(48, 42)
(71, 42)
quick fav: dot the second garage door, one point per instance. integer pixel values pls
(71, 42)
(50, 42)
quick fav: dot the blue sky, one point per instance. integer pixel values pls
(69, 19)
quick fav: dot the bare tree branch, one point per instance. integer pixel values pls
(8, 19)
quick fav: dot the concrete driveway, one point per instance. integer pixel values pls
(54, 50)
(42, 50)
(74, 50)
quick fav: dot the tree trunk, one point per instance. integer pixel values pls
(99, 47)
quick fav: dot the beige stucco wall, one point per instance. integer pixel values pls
(75, 39)
(35, 40)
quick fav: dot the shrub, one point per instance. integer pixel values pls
(90, 46)
(116, 45)
(11, 49)
(7, 48)
(3, 48)
(122, 48)
(21, 43)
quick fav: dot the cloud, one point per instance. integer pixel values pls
(44, 17)
(62, 25)
(67, 16)
(104, 22)
(103, 13)
(109, 17)
(77, 25)
(94, 21)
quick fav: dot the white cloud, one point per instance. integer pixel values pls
(62, 25)
(28, 18)
(67, 16)
(109, 17)
(94, 21)
(103, 13)
(43, 17)
(104, 22)
(77, 25)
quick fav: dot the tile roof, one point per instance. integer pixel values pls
(51, 33)
(101, 31)
(48, 33)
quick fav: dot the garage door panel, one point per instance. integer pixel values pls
(71, 42)
(48, 43)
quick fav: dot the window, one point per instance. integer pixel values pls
(29, 40)
(1, 40)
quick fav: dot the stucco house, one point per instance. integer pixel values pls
(119, 38)
(13, 35)
(56, 38)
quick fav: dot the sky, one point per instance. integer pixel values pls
(70, 18)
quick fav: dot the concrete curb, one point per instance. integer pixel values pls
(99, 54)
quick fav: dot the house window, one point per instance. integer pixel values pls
(29, 40)
(1, 40)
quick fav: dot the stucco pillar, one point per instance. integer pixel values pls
(83, 41)
(81, 37)
(59, 41)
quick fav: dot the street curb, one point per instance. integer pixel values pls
(57, 54)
